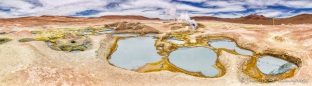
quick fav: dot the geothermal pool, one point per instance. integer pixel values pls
(228, 44)
(274, 66)
(196, 59)
(133, 53)
(268, 65)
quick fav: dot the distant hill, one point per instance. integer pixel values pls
(205, 18)
(260, 19)
(254, 17)
(250, 19)
(299, 19)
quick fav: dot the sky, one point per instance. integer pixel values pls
(154, 8)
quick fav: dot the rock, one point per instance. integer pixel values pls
(111, 25)
(70, 36)
(128, 26)
(283, 69)
(122, 26)
(138, 27)
(70, 42)
(279, 38)
(125, 27)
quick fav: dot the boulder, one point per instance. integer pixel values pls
(70, 42)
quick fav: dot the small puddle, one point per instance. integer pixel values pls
(196, 59)
(228, 44)
(107, 31)
(133, 53)
(273, 66)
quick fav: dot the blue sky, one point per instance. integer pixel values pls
(154, 8)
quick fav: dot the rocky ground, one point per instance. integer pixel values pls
(35, 63)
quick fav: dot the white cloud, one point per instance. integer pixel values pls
(209, 10)
(17, 7)
(151, 14)
(5, 14)
(224, 3)
(297, 4)
(269, 13)
(230, 15)
(138, 6)
(200, 14)
(51, 7)
(148, 8)
(15, 4)
(68, 7)
(261, 3)
(290, 14)
(145, 3)
(195, 1)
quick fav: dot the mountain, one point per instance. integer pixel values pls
(198, 18)
(260, 19)
(254, 17)
(250, 19)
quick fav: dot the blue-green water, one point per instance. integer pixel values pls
(197, 59)
(134, 53)
(228, 44)
(271, 65)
